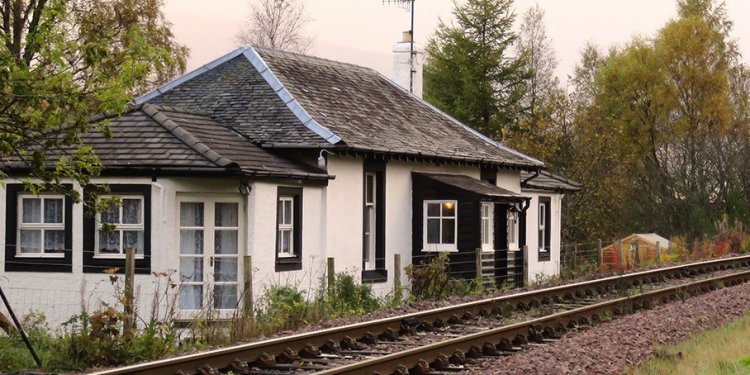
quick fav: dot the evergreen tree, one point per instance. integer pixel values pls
(470, 72)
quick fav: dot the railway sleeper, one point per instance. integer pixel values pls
(330, 347)
(239, 367)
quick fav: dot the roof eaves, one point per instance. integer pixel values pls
(299, 111)
(536, 162)
(188, 76)
(186, 137)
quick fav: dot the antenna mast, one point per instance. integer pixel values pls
(409, 6)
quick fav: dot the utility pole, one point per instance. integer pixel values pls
(409, 6)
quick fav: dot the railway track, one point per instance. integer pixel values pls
(441, 339)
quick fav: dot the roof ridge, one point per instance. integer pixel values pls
(168, 108)
(318, 59)
(155, 113)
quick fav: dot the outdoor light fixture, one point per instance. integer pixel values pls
(322, 160)
(245, 188)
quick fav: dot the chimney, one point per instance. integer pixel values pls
(402, 68)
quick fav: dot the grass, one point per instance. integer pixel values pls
(724, 350)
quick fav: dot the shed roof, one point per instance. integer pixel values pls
(280, 99)
(546, 180)
(474, 186)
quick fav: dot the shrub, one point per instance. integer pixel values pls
(351, 298)
(432, 280)
(282, 307)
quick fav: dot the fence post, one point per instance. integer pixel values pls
(575, 251)
(619, 254)
(331, 277)
(525, 250)
(129, 287)
(658, 252)
(478, 264)
(247, 276)
(397, 291)
(601, 253)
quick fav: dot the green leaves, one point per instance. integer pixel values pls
(469, 70)
(64, 61)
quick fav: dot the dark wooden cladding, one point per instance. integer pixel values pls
(500, 220)
(468, 222)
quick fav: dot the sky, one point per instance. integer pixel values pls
(363, 31)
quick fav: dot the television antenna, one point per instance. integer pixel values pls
(409, 6)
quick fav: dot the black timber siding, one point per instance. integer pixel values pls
(468, 223)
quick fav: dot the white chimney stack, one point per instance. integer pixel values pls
(402, 66)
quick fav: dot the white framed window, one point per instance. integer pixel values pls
(370, 221)
(41, 226)
(120, 227)
(513, 228)
(487, 226)
(209, 246)
(542, 226)
(285, 227)
(440, 225)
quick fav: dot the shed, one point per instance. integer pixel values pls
(638, 248)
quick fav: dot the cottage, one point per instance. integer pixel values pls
(289, 159)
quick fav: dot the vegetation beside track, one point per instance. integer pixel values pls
(724, 350)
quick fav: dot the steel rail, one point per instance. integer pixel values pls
(428, 353)
(224, 357)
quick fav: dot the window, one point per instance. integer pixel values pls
(542, 227)
(370, 221)
(440, 225)
(373, 222)
(513, 228)
(545, 229)
(285, 227)
(38, 230)
(289, 229)
(41, 227)
(209, 248)
(487, 227)
(109, 233)
(121, 227)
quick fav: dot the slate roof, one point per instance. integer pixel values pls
(280, 99)
(166, 138)
(472, 185)
(548, 181)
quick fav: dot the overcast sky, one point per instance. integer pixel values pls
(363, 31)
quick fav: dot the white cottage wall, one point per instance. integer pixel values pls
(551, 267)
(262, 239)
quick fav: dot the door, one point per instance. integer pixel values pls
(209, 248)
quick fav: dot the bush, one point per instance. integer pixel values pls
(431, 280)
(351, 298)
(282, 307)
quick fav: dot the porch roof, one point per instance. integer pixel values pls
(471, 185)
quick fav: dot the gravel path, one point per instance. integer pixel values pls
(616, 345)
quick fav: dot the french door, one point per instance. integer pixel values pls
(209, 247)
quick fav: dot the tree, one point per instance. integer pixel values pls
(545, 105)
(276, 24)
(534, 43)
(469, 70)
(64, 61)
(663, 128)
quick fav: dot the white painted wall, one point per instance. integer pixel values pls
(547, 268)
(62, 295)
(332, 227)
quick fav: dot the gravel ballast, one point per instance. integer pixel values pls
(616, 345)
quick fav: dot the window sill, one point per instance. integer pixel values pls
(288, 264)
(374, 276)
(33, 256)
(442, 250)
(115, 257)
